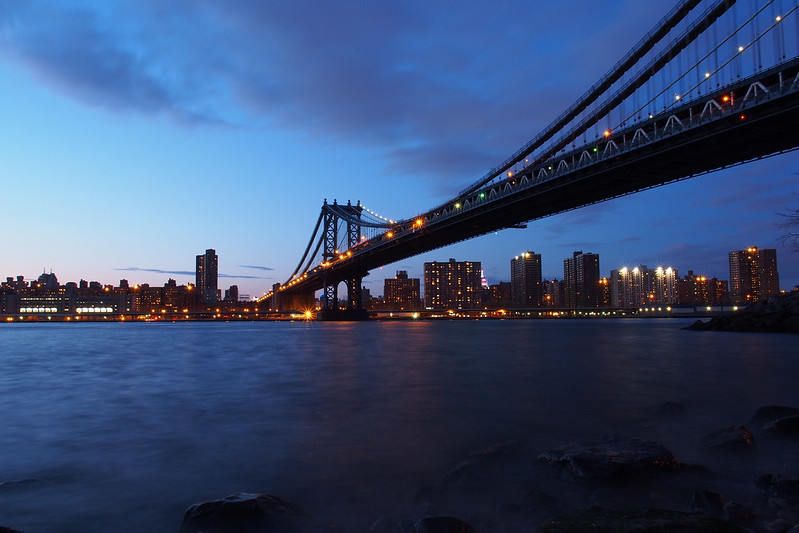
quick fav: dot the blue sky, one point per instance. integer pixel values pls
(137, 133)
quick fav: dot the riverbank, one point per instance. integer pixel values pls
(778, 314)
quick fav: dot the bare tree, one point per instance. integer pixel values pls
(791, 225)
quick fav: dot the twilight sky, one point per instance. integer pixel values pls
(137, 133)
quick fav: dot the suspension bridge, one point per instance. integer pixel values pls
(714, 84)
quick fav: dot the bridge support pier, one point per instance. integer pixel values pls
(299, 302)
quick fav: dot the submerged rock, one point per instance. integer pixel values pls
(787, 426)
(610, 458)
(738, 512)
(600, 520)
(730, 439)
(443, 524)
(778, 486)
(241, 513)
(478, 462)
(708, 502)
(4, 529)
(769, 413)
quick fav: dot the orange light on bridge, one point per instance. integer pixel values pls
(606, 133)
(418, 222)
(390, 234)
(725, 98)
(349, 253)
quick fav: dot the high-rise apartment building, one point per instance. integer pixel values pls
(699, 290)
(631, 287)
(207, 276)
(581, 277)
(453, 285)
(753, 275)
(402, 293)
(526, 287)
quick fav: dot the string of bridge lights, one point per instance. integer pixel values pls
(377, 215)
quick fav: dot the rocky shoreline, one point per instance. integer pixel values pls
(629, 485)
(778, 314)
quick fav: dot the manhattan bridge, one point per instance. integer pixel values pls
(714, 84)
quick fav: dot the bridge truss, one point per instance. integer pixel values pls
(715, 83)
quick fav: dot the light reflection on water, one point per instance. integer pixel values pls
(125, 425)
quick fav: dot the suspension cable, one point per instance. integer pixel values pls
(640, 50)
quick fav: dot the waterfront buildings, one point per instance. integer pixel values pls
(207, 273)
(453, 285)
(581, 277)
(633, 287)
(526, 286)
(402, 293)
(699, 290)
(753, 275)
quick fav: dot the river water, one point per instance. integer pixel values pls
(120, 427)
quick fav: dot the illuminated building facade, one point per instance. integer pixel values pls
(553, 293)
(206, 276)
(402, 293)
(453, 285)
(581, 277)
(632, 287)
(699, 290)
(753, 275)
(526, 286)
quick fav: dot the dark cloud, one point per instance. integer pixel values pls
(188, 272)
(442, 92)
(158, 271)
(256, 267)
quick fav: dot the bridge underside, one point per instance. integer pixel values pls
(766, 128)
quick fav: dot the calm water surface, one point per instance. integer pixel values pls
(122, 426)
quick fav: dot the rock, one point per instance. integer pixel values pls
(737, 512)
(241, 513)
(787, 426)
(730, 439)
(611, 457)
(769, 413)
(778, 314)
(443, 524)
(4, 529)
(478, 462)
(710, 503)
(780, 487)
(779, 526)
(598, 520)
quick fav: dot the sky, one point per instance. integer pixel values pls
(138, 133)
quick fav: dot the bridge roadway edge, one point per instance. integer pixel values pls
(768, 128)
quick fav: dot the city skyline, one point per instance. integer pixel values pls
(573, 268)
(136, 142)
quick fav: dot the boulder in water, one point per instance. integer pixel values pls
(730, 439)
(241, 513)
(443, 524)
(787, 426)
(769, 413)
(599, 520)
(613, 457)
(477, 465)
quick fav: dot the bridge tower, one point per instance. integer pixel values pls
(334, 216)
